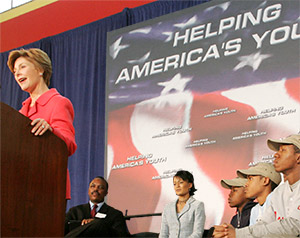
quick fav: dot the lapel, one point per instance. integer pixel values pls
(174, 212)
(42, 100)
(186, 207)
(86, 211)
(104, 208)
(25, 107)
(32, 110)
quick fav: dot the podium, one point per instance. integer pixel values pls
(33, 179)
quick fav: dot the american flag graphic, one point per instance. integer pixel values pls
(212, 117)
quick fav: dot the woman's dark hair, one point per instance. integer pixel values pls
(187, 176)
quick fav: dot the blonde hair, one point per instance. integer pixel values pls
(36, 56)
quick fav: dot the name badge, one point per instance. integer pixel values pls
(100, 215)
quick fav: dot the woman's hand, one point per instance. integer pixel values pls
(40, 126)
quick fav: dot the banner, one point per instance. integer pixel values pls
(202, 90)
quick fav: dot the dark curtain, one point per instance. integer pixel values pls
(79, 61)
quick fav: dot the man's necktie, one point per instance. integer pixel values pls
(93, 212)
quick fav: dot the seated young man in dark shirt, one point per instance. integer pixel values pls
(237, 198)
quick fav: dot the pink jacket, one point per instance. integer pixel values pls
(59, 113)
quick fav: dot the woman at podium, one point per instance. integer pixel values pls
(47, 109)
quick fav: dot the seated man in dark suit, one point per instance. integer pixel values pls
(96, 218)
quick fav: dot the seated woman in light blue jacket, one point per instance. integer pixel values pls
(184, 217)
